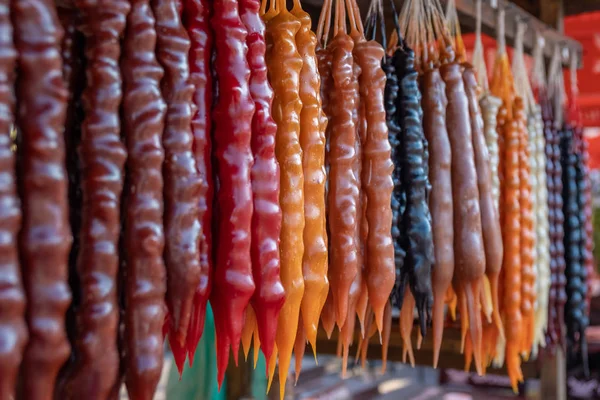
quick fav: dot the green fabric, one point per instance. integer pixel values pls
(259, 378)
(200, 381)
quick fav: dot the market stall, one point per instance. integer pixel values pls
(346, 177)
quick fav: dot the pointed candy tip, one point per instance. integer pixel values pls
(236, 350)
(282, 381)
(329, 332)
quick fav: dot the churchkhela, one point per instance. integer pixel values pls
(284, 65)
(162, 155)
(233, 282)
(143, 204)
(196, 20)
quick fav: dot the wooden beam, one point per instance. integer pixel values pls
(466, 12)
(238, 382)
(450, 357)
(552, 13)
(531, 6)
(513, 13)
(581, 6)
(554, 376)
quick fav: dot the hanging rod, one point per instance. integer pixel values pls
(489, 19)
(513, 13)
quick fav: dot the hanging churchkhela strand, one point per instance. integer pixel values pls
(492, 330)
(526, 231)
(556, 292)
(553, 117)
(377, 173)
(416, 218)
(284, 66)
(196, 20)
(233, 283)
(343, 193)
(144, 309)
(12, 318)
(502, 87)
(312, 141)
(469, 255)
(582, 180)
(361, 225)
(41, 99)
(398, 198)
(533, 271)
(324, 60)
(181, 180)
(268, 297)
(576, 318)
(102, 160)
(539, 196)
(440, 198)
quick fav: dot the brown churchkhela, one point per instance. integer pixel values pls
(440, 199)
(145, 284)
(360, 123)
(181, 180)
(468, 241)
(492, 234)
(324, 60)
(343, 194)
(102, 158)
(312, 141)
(376, 177)
(13, 332)
(45, 238)
(196, 19)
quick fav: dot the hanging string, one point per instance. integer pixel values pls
(518, 63)
(522, 83)
(324, 23)
(478, 19)
(500, 33)
(478, 53)
(573, 75)
(454, 25)
(538, 76)
(556, 87)
(354, 31)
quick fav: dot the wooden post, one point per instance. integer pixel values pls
(554, 376)
(552, 13)
(238, 384)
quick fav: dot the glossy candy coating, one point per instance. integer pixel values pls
(13, 331)
(469, 251)
(377, 169)
(102, 159)
(312, 141)
(45, 238)
(416, 218)
(284, 67)
(542, 239)
(232, 116)
(526, 231)
(145, 306)
(269, 295)
(181, 179)
(343, 194)
(196, 20)
(440, 199)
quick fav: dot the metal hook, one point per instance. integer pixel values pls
(564, 52)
